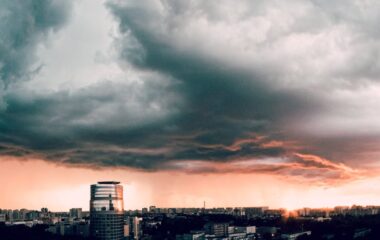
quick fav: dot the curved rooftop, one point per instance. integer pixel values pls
(108, 182)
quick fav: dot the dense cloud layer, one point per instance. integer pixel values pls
(219, 86)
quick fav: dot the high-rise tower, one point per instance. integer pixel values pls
(107, 211)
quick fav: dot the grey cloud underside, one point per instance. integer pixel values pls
(58, 127)
(192, 107)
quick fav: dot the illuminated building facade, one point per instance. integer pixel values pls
(107, 211)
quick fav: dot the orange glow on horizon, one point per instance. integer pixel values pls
(34, 184)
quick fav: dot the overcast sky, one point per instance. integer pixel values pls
(218, 89)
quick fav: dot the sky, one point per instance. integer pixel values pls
(236, 103)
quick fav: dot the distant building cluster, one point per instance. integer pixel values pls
(326, 213)
(74, 222)
(249, 212)
(220, 231)
(107, 219)
(217, 231)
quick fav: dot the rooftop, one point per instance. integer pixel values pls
(108, 182)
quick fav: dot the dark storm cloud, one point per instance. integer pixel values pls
(214, 97)
(215, 113)
(104, 124)
(72, 128)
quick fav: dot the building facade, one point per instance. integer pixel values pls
(107, 211)
(76, 212)
(216, 229)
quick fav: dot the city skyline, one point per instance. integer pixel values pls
(243, 103)
(356, 210)
(108, 220)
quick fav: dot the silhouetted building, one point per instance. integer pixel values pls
(76, 212)
(3, 218)
(152, 209)
(144, 211)
(107, 211)
(253, 212)
(217, 229)
(194, 235)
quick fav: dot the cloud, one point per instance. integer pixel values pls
(300, 43)
(24, 25)
(304, 167)
(216, 86)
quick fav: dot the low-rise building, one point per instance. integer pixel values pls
(294, 236)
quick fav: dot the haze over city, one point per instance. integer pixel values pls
(235, 103)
